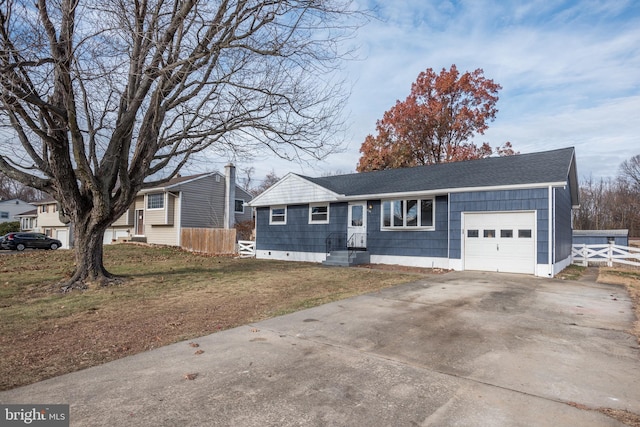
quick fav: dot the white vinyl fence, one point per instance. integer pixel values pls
(609, 254)
(246, 248)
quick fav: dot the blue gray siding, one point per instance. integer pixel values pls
(600, 240)
(408, 243)
(297, 235)
(445, 241)
(563, 232)
(503, 200)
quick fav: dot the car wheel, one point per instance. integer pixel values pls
(54, 246)
(20, 247)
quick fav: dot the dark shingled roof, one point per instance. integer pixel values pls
(522, 169)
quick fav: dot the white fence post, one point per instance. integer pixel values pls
(610, 255)
(585, 261)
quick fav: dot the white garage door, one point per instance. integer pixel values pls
(63, 236)
(500, 241)
(112, 235)
(108, 235)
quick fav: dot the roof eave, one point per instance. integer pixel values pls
(454, 190)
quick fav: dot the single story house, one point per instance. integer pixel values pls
(506, 214)
(601, 237)
(159, 214)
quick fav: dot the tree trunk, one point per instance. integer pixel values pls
(89, 267)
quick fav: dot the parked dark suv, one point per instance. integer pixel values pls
(21, 241)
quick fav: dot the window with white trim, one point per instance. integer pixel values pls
(409, 214)
(239, 206)
(319, 214)
(4, 214)
(155, 201)
(278, 215)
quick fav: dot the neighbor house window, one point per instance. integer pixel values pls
(408, 214)
(4, 214)
(318, 214)
(239, 206)
(278, 215)
(155, 201)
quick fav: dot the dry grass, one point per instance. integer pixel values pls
(631, 280)
(170, 295)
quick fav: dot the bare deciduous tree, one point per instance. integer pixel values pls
(630, 171)
(611, 203)
(103, 98)
(12, 189)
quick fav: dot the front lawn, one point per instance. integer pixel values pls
(169, 295)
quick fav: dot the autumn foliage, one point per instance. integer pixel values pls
(435, 123)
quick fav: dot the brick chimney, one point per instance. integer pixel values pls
(229, 195)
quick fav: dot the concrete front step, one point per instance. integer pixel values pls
(347, 258)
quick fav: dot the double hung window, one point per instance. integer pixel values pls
(155, 201)
(318, 214)
(278, 215)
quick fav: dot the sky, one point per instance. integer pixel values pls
(569, 71)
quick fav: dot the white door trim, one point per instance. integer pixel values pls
(357, 225)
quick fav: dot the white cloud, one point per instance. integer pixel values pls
(570, 73)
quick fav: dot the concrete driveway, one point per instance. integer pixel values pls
(468, 349)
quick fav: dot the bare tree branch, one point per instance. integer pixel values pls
(106, 97)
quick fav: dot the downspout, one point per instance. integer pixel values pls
(449, 229)
(551, 216)
(179, 225)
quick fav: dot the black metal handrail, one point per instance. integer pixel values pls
(335, 241)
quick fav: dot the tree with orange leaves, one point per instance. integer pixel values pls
(435, 123)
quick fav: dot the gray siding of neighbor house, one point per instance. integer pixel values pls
(247, 215)
(431, 243)
(563, 232)
(502, 200)
(202, 203)
(297, 235)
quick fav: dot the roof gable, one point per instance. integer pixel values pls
(294, 189)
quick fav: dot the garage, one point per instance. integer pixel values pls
(112, 235)
(63, 236)
(500, 241)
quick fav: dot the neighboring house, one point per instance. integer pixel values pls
(12, 207)
(601, 237)
(28, 220)
(199, 201)
(48, 222)
(158, 214)
(508, 214)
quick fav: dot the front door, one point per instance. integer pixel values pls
(140, 222)
(357, 226)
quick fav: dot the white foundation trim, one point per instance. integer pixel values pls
(411, 261)
(291, 256)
